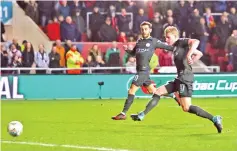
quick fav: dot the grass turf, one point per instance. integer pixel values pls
(88, 123)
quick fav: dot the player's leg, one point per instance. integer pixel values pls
(137, 82)
(131, 94)
(128, 102)
(185, 92)
(151, 88)
(155, 98)
(175, 96)
(162, 90)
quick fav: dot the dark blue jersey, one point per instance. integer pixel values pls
(144, 50)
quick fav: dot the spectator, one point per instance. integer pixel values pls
(233, 51)
(112, 15)
(77, 6)
(4, 56)
(190, 6)
(123, 22)
(96, 21)
(89, 63)
(210, 19)
(138, 20)
(231, 41)
(122, 37)
(64, 9)
(157, 28)
(74, 60)
(69, 31)
(16, 63)
(233, 17)
(112, 56)
(199, 5)
(94, 52)
(41, 59)
(118, 4)
(103, 5)
(89, 5)
(181, 15)
(165, 58)
(169, 13)
(158, 15)
(61, 51)
(60, 19)
(131, 65)
(107, 32)
(202, 33)
(53, 29)
(79, 21)
(54, 60)
(170, 22)
(126, 55)
(24, 43)
(162, 6)
(15, 42)
(28, 57)
(132, 8)
(46, 11)
(194, 20)
(222, 31)
(99, 63)
(67, 46)
(131, 39)
(150, 9)
(32, 11)
(13, 52)
(2, 32)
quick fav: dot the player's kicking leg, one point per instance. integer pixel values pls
(151, 104)
(174, 95)
(131, 94)
(188, 107)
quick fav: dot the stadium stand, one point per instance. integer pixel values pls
(86, 24)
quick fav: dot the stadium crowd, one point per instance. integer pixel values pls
(111, 21)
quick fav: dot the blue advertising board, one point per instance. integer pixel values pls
(6, 12)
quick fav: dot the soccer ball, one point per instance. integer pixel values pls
(15, 128)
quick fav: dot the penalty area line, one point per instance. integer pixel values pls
(63, 146)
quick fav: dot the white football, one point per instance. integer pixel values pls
(15, 128)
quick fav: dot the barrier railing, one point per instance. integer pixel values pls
(164, 69)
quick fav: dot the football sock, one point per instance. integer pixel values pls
(152, 103)
(200, 112)
(128, 103)
(176, 99)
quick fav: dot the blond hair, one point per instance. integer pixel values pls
(173, 30)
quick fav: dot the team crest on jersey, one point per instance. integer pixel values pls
(148, 44)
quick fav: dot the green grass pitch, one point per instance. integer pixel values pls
(72, 125)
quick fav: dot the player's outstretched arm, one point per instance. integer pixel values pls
(162, 45)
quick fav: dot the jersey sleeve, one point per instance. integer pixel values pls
(162, 45)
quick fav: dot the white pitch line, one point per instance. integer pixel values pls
(64, 146)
